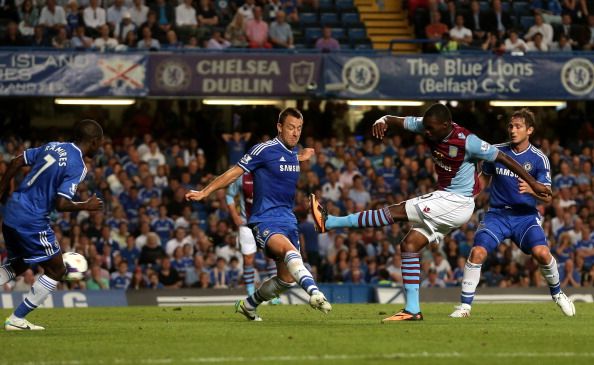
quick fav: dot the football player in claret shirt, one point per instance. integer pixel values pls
(512, 214)
(455, 153)
(56, 170)
(275, 169)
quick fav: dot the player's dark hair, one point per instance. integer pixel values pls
(440, 112)
(87, 130)
(527, 115)
(293, 112)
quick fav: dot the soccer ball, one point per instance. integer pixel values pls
(76, 265)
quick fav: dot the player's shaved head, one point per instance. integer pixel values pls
(293, 112)
(87, 130)
(439, 112)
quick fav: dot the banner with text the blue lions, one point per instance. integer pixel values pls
(481, 76)
(72, 74)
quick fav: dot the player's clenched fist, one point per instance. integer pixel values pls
(196, 195)
(379, 128)
(94, 203)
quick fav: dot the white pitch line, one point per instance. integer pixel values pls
(291, 358)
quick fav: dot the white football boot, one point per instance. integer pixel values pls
(461, 311)
(20, 324)
(318, 301)
(565, 304)
(250, 314)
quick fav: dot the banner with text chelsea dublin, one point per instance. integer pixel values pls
(234, 74)
(530, 77)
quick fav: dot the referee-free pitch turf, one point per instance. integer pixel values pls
(534, 334)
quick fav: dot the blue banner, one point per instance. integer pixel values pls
(70, 299)
(470, 76)
(72, 74)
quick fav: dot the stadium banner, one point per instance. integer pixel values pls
(70, 299)
(469, 76)
(396, 295)
(72, 74)
(234, 74)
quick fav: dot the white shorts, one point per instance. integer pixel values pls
(437, 214)
(246, 241)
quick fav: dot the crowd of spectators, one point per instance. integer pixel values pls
(148, 236)
(504, 25)
(119, 25)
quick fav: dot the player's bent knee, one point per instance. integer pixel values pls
(478, 254)
(542, 254)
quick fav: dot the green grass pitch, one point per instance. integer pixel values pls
(502, 334)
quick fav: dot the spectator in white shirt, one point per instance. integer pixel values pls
(185, 20)
(540, 27)
(122, 28)
(217, 41)
(115, 13)
(52, 17)
(459, 33)
(185, 15)
(139, 12)
(514, 43)
(537, 44)
(94, 17)
(105, 42)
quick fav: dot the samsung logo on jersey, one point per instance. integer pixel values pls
(289, 168)
(504, 172)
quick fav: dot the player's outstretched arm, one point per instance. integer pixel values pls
(221, 181)
(306, 154)
(13, 167)
(381, 125)
(538, 188)
(66, 205)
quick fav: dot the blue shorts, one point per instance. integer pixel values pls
(30, 246)
(264, 230)
(500, 224)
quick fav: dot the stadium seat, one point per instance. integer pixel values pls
(349, 18)
(345, 5)
(521, 8)
(356, 34)
(526, 22)
(308, 18)
(326, 5)
(330, 19)
(484, 6)
(311, 34)
(338, 33)
(505, 6)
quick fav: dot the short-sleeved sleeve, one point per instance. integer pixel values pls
(488, 168)
(253, 159)
(414, 124)
(75, 173)
(476, 148)
(232, 191)
(30, 155)
(543, 171)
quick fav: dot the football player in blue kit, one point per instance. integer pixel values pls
(275, 169)
(56, 170)
(512, 214)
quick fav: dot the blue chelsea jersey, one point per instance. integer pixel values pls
(275, 169)
(504, 184)
(56, 169)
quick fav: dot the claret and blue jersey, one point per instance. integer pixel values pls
(455, 157)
